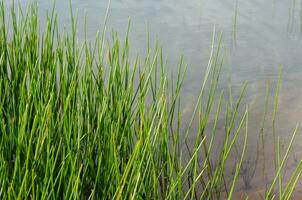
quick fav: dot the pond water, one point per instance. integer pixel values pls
(261, 38)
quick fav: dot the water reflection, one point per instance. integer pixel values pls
(295, 19)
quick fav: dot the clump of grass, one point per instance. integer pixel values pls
(87, 121)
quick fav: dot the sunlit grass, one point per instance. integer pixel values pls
(88, 121)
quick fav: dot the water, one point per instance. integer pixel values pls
(266, 36)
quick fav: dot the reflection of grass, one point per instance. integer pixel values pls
(234, 32)
(300, 17)
(248, 169)
(274, 7)
(89, 122)
(294, 24)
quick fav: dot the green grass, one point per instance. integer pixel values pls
(88, 121)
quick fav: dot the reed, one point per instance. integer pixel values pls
(89, 121)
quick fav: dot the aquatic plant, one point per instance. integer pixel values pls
(89, 121)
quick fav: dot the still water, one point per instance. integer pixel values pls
(259, 38)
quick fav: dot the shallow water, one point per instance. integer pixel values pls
(266, 36)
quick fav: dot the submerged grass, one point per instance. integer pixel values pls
(88, 122)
